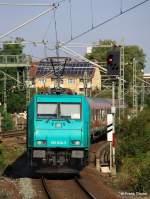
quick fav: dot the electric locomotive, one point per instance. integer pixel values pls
(58, 136)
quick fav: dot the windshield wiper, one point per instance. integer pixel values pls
(61, 118)
(51, 117)
(64, 118)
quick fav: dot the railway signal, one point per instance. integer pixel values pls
(113, 63)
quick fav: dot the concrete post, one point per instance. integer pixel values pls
(98, 167)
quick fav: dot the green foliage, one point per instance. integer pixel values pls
(9, 154)
(7, 123)
(131, 51)
(16, 100)
(102, 93)
(135, 173)
(147, 100)
(12, 49)
(2, 162)
(99, 54)
(133, 153)
(129, 99)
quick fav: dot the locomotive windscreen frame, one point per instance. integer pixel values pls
(70, 111)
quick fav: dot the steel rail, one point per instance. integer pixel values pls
(45, 188)
(89, 194)
(12, 134)
(104, 153)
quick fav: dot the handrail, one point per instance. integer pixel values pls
(14, 59)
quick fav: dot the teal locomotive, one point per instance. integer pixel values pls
(58, 131)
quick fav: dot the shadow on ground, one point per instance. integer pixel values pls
(20, 169)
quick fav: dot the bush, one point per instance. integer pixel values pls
(7, 123)
(2, 162)
(133, 153)
(135, 174)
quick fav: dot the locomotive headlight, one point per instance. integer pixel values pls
(39, 142)
(76, 142)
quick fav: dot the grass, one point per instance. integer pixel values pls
(8, 155)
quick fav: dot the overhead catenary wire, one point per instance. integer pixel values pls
(96, 26)
(51, 73)
(25, 42)
(46, 31)
(70, 16)
(11, 77)
(31, 4)
(67, 50)
(59, 70)
(121, 6)
(45, 50)
(105, 21)
(27, 22)
(61, 1)
(92, 13)
(25, 4)
(44, 37)
(143, 80)
(83, 45)
(56, 34)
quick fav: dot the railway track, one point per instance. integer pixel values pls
(101, 151)
(104, 154)
(76, 183)
(10, 134)
(45, 187)
(89, 195)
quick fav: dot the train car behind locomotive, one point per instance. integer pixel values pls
(99, 108)
(58, 132)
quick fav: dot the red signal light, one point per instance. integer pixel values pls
(113, 62)
(110, 59)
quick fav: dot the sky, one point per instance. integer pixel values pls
(132, 28)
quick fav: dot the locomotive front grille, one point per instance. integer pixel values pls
(39, 154)
(57, 157)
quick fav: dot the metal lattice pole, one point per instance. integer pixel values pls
(27, 88)
(121, 84)
(142, 96)
(5, 93)
(85, 81)
(135, 97)
(18, 79)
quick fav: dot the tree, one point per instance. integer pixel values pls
(12, 49)
(131, 51)
(133, 153)
(7, 123)
(99, 54)
(16, 101)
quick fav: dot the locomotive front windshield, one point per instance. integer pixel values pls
(59, 110)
